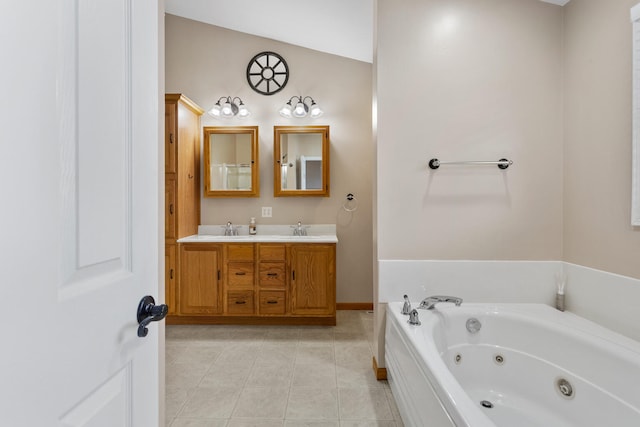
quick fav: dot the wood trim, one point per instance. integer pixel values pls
(251, 320)
(175, 97)
(354, 306)
(381, 373)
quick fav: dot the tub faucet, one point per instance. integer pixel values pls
(413, 318)
(430, 302)
(406, 307)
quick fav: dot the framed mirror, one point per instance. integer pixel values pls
(301, 155)
(231, 161)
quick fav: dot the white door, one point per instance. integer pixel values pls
(80, 212)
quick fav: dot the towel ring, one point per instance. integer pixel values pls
(351, 199)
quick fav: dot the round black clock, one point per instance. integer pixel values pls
(267, 73)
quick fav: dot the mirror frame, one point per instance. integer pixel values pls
(255, 181)
(278, 131)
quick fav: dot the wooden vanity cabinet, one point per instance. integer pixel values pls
(313, 279)
(257, 283)
(272, 279)
(200, 287)
(239, 274)
(182, 181)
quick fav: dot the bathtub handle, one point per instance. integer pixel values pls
(413, 318)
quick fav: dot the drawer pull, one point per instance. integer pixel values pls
(241, 302)
(272, 302)
(272, 274)
(240, 273)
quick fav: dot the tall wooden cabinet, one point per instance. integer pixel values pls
(182, 183)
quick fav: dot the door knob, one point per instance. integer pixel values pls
(149, 312)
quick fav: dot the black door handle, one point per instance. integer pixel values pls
(149, 312)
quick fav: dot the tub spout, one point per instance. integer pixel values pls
(430, 302)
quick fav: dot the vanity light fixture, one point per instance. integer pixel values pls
(302, 107)
(231, 107)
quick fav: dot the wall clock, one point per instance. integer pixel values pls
(267, 73)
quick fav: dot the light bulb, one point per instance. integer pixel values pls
(227, 110)
(286, 110)
(243, 111)
(215, 111)
(315, 111)
(300, 110)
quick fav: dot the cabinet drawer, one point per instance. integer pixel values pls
(240, 252)
(271, 252)
(272, 274)
(272, 302)
(240, 274)
(240, 302)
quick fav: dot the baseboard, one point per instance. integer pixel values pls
(381, 373)
(354, 306)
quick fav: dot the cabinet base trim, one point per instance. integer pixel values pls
(354, 306)
(250, 320)
(381, 373)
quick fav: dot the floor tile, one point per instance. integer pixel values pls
(312, 404)
(210, 402)
(198, 422)
(276, 376)
(261, 402)
(320, 375)
(364, 404)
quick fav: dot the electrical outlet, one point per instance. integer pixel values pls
(266, 212)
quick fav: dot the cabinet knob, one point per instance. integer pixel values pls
(241, 302)
(272, 274)
(272, 302)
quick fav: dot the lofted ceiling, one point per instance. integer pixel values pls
(339, 27)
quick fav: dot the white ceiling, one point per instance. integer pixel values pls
(339, 27)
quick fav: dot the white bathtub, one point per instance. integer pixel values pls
(440, 373)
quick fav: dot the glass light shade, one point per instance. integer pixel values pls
(227, 109)
(216, 110)
(300, 110)
(243, 111)
(315, 111)
(286, 110)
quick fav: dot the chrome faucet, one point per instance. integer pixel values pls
(299, 230)
(413, 318)
(230, 230)
(406, 307)
(430, 302)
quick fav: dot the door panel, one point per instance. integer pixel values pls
(83, 243)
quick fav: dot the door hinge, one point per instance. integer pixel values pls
(170, 138)
(218, 274)
(171, 274)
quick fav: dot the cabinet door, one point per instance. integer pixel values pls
(170, 279)
(313, 279)
(170, 137)
(200, 290)
(170, 209)
(188, 174)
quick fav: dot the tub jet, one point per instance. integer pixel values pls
(486, 404)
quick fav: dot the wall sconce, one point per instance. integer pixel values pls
(301, 109)
(229, 108)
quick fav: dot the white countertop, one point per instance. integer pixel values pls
(316, 233)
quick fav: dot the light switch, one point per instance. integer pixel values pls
(266, 212)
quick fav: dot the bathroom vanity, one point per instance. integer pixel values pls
(273, 278)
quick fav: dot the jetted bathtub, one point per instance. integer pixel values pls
(527, 365)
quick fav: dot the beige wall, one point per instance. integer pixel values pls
(469, 80)
(597, 143)
(206, 62)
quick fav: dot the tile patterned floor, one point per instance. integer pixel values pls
(276, 376)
